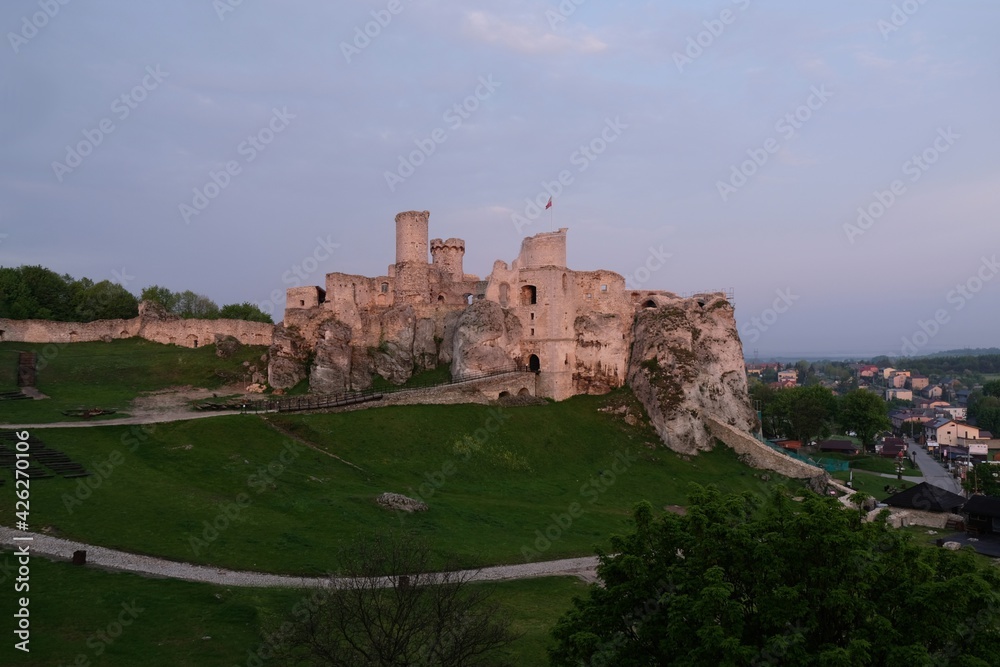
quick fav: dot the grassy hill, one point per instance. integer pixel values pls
(110, 375)
(74, 612)
(284, 507)
(283, 493)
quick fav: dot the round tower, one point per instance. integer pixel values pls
(411, 257)
(448, 256)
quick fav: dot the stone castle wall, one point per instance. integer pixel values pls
(169, 331)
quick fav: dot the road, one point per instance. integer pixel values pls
(934, 472)
(114, 559)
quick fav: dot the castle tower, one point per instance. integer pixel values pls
(544, 249)
(448, 256)
(412, 284)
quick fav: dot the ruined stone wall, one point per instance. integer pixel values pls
(172, 331)
(304, 297)
(758, 455)
(45, 331)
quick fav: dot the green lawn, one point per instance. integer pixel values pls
(110, 375)
(8, 369)
(534, 490)
(74, 612)
(872, 484)
(875, 463)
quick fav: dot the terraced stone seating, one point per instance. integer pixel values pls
(13, 396)
(44, 462)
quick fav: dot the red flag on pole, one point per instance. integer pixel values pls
(549, 205)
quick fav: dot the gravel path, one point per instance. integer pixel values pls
(159, 567)
(157, 418)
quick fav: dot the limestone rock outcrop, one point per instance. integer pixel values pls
(289, 355)
(601, 340)
(486, 337)
(393, 359)
(686, 365)
(400, 503)
(331, 367)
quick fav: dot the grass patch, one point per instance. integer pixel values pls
(423, 378)
(201, 625)
(502, 503)
(110, 375)
(872, 483)
(8, 370)
(875, 463)
(880, 464)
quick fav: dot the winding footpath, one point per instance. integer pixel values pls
(114, 559)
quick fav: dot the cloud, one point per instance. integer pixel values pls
(528, 37)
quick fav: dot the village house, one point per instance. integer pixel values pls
(898, 379)
(901, 394)
(947, 431)
(790, 376)
(867, 370)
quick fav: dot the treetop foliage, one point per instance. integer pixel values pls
(34, 292)
(740, 581)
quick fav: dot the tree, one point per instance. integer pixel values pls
(104, 301)
(985, 408)
(800, 413)
(738, 581)
(34, 292)
(983, 478)
(186, 304)
(387, 613)
(196, 306)
(865, 413)
(244, 311)
(160, 295)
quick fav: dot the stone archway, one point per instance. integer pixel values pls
(534, 363)
(504, 394)
(529, 295)
(523, 391)
(649, 304)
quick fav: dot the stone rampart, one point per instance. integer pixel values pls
(758, 455)
(169, 331)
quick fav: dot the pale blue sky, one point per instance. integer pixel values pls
(199, 80)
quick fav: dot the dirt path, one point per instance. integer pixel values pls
(153, 407)
(113, 559)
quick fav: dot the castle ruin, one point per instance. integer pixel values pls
(572, 327)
